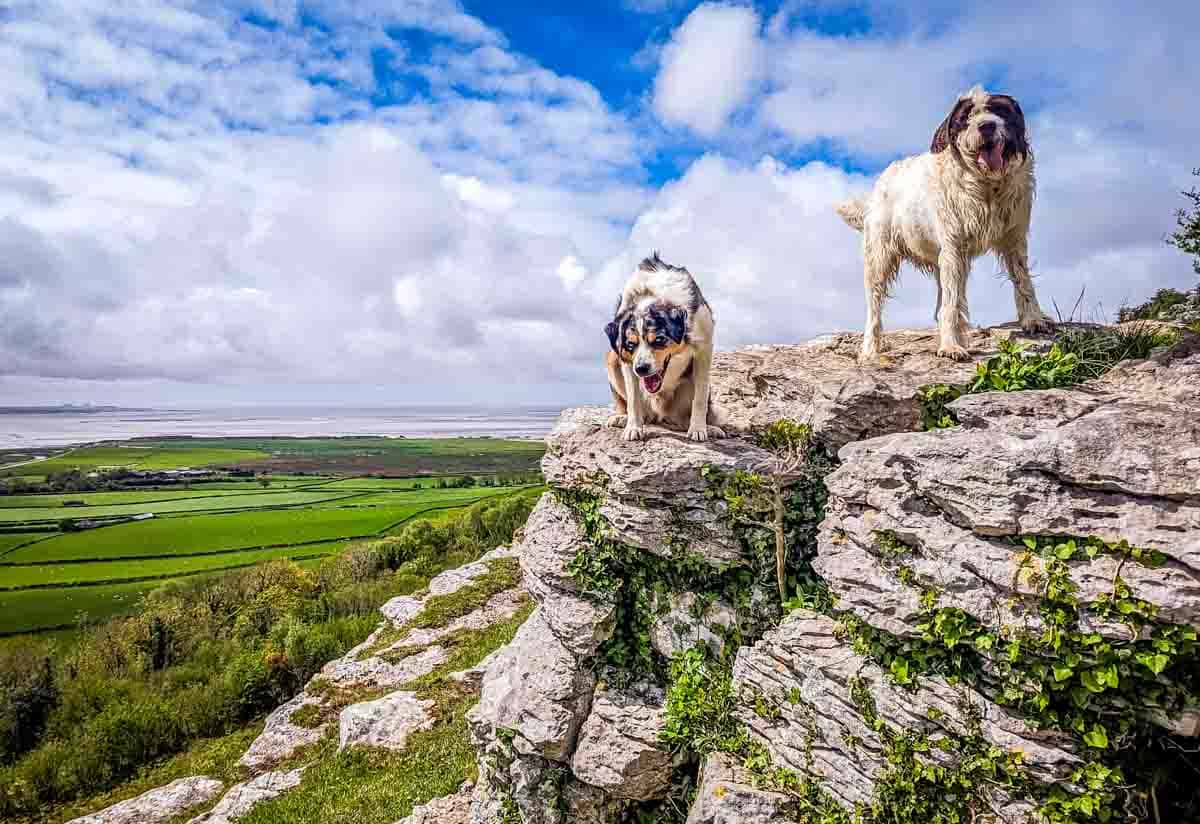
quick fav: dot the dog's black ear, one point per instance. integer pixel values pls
(951, 126)
(612, 331)
(676, 323)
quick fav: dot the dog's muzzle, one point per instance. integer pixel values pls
(653, 383)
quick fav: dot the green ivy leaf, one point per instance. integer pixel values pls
(1096, 737)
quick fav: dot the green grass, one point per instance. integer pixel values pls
(107, 572)
(10, 540)
(213, 533)
(214, 503)
(383, 483)
(141, 457)
(432, 496)
(140, 496)
(34, 609)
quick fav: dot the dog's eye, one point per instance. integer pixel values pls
(658, 343)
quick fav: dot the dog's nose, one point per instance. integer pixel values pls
(987, 129)
(642, 369)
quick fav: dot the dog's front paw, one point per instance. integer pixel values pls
(1037, 322)
(633, 433)
(616, 421)
(703, 433)
(953, 351)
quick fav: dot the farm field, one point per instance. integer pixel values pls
(363, 456)
(57, 501)
(49, 577)
(194, 503)
(228, 532)
(138, 457)
(385, 484)
(29, 576)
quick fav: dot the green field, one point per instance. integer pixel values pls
(75, 574)
(34, 609)
(188, 504)
(10, 540)
(56, 501)
(48, 578)
(382, 484)
(220, 533)
(139, 457)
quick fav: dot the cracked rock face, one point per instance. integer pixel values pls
(821, 384)
(281, 738)
(241, 798)
(684, 625)
(158, 805)
(619, 748)
(386, 722)
(451, 809)
(552, 540)
(804, 670)
(536, 689)
(652, 492)
(727, 795)
(1119, 459)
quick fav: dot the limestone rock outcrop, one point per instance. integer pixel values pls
(158, 805)
(908, 522)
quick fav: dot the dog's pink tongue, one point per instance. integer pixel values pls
(994, 157)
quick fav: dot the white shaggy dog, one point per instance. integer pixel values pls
(970, 194)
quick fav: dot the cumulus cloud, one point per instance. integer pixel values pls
(709, 68)
(235, 195)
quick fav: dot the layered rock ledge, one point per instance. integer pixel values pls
(644, 551)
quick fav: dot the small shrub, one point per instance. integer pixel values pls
(700, 707)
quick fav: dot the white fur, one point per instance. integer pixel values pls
(940, 212)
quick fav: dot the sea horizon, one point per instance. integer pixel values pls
(72, 425)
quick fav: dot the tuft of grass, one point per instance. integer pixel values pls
(309, 716)
(1098, 349)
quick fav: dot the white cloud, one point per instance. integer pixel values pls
(191, 199)
(571, 272)
(709, 68)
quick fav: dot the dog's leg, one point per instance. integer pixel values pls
(616, 384)
(879, 270)
(635, 428)
(1029, 313)
(699, 428)
(952, 315)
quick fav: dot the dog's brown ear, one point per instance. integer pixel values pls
(951, 126)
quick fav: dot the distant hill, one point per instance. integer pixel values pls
(64, 409)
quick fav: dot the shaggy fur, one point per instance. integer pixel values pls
(972, 193)
(662, 346)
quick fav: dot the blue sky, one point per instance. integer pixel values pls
(427, 200)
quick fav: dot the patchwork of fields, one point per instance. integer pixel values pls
(51, 572)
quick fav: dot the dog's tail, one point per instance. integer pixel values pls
(853, 212)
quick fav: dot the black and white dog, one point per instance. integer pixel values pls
(662, 350)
